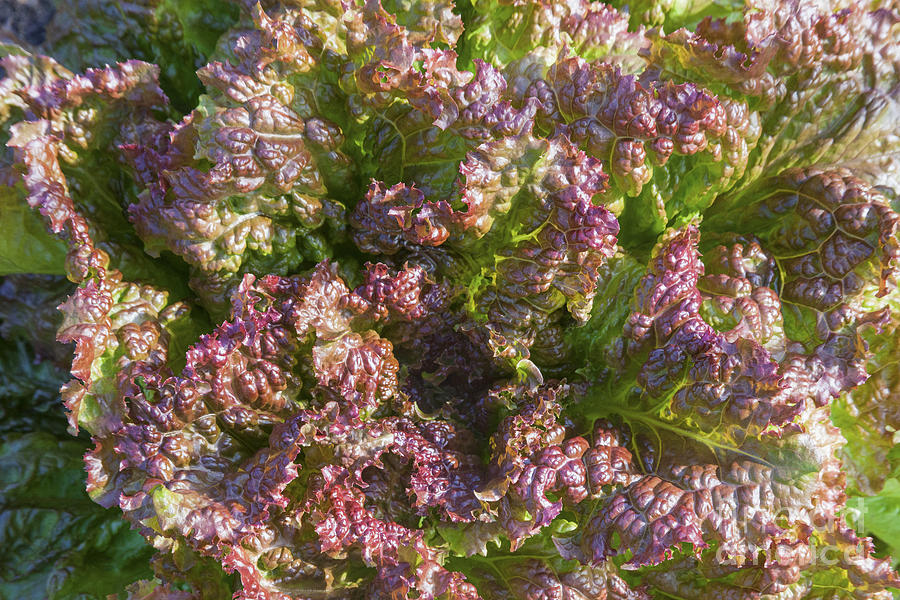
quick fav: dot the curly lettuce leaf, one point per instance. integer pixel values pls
(683, 398)
(834, 241)
(532, 208)
(669, 147)
(822, 80)
(178, 35)
(71, 124)
(627, 329)
(504, 31)
(868, 417)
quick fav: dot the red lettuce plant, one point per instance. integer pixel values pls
(503, 299)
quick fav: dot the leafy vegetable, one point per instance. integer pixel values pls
(502, 299)
(59, 544)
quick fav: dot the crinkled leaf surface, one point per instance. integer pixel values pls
(509, 299)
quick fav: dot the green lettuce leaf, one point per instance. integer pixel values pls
(32, 249)
(57, 543)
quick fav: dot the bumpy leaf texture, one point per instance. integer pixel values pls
(54, 535)
(510, 299)
(178, 36)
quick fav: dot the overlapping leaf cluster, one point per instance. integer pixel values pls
(506, 299)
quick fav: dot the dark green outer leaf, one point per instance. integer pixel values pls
(57, 544)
